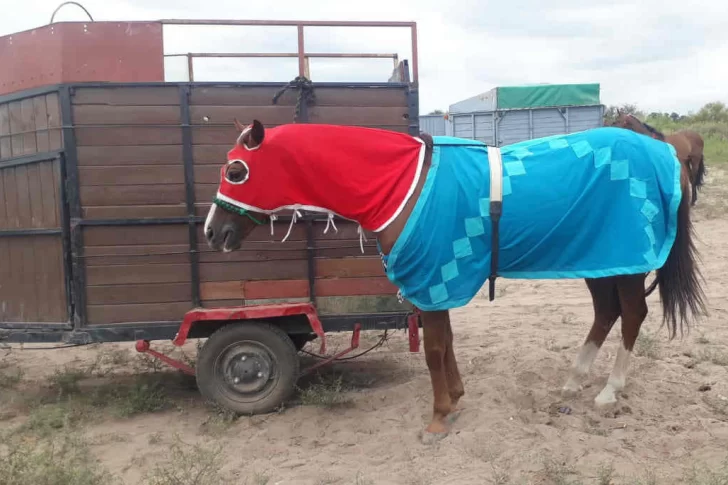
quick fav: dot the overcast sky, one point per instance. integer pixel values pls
(666, 55)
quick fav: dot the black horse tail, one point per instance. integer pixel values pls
(679, 278)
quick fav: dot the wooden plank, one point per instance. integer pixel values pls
(267, 270)
(134, 211)
(266, 254)
(178, 257)
(94, 114)
(360, 116)
(16, 299)
(222, 115)
(6, 282)
(216, 135)
(12, 219)
(28, 281)
(323, 287)
(222, 290)
(27, 111)
(16, 126)
(135, 235)
(132, 175)
(130, 155)
(211, 154)
(127, 96)
(51, 266)
(50, 193)
(145, 312)
(208, 174)
(53, 108)
(349, 267)
(141, 250)
(42, 136)
(137, 274)
(145, 293)
(128, 135)
(6, 150)
(35, 194)
(205, 191)
(23, 193)
(325, 96)
(297, 288)
(43, 285)
(222, 303)
(347, 305)
(121, 195)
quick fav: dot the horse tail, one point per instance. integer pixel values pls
(650, 289)
(679, 278)
(700, 176)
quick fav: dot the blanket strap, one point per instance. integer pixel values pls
(495, 163)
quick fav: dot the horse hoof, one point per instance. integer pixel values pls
(605, 400)
(428, 439)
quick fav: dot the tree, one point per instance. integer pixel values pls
(436, 112)
(716, 112)
(611, 113)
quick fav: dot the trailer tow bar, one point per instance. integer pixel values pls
(143, 347)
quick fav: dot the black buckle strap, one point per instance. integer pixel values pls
(496, 209)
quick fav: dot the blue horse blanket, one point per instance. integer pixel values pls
(591, 204)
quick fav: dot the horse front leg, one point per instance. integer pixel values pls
(435, 333)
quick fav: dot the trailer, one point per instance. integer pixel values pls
(107, 170)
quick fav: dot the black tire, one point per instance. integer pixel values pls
(260, 356)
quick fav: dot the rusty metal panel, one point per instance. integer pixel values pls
(82, 52)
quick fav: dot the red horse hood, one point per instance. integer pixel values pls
(363, 174)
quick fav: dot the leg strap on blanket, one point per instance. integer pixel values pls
(496, 209)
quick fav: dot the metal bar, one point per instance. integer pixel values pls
(188, 159)
(301, 55)
(221, 84)
(32, 326)
(78, 266)
(151, 221)
(530, 123)
(190, 68)
(310, 255)
(413, 103)
(29, 232)
(415, 63)
(368, 321)
(66, 240)
(28, 159)
(332, 55)
(29, 93)
(290, 23)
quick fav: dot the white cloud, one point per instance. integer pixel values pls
(666, 55)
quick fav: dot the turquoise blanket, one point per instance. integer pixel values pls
(597, 203)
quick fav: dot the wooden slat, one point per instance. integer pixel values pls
(323, 287)
(262, 96)
(23, 192)
(208, 174)
(11, 198)
(121, 195)
(3, 204)
(35, 193)
(267, 270)
(125, 115)
(135, 235)
(53, 108)
(130, 155)
(126, 260)
(6, 150)
(42, 136)
(137, 274)
(222, 290)
(134, 211)
(360, 116)
(220, 115)
(50, 193)
(5, 276)
(147, 312)
(128, 135)
(140, 250)
(222, 303)
(16, 126)
(127, 96)
(216, 135)
(347, 305)
(130, 294)
(27, 111)
(270, 254)
(132, 175)
(349, 267)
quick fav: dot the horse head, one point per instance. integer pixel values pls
(228, 222)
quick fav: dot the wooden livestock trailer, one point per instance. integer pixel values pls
(104, 186)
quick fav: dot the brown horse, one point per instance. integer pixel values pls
(688, 144)
(612, 297)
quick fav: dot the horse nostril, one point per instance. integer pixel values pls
(209, 233)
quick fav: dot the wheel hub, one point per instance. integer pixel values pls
(248, 370)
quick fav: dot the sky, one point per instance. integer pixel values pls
(662, 55)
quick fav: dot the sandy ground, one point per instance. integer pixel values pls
(514, 355)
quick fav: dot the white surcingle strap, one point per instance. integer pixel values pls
(362, 238)
(330, 222)
(294, 219)
(273, 218)
(495, 163)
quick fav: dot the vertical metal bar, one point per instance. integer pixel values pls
(75, 215)
(310, 255)
(301, 50)
(66, 240)
(530, 124)
(472, 124)
(188, 160)
(413, 116)
(190, 67)
(568, 122)
(415, 64)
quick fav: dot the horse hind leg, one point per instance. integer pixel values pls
(634, 311)
(605, 300)
(454, 381)
(434, 326)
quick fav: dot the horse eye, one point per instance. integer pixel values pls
(237, 172)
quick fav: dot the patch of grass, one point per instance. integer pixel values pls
(714, 356)
(10, 378)
(329, 392)
(189, 465)
(649, 478)
(647, 346)
(258, 479)
(48, 419)
(605, 475)
(219, 420)
(65, 381)
(707, 476)
(557, 473)
(61, 461)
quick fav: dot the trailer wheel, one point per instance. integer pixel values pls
(249, 368)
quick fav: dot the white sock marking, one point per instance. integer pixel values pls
(582, 364)
(617, 379)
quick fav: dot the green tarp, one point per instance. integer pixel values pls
(521, 97)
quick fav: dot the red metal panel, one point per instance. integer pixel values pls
(82, 52)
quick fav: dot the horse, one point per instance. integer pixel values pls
(688, 144)
(397, 185)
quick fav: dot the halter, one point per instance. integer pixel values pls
(235, 210)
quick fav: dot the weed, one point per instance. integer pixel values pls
(647, 346)
(65, 381)
(48, 419)
(189, 465)
(556, 472)
(605, 475)
(327, 393)
(61, 461)
(707, 476)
